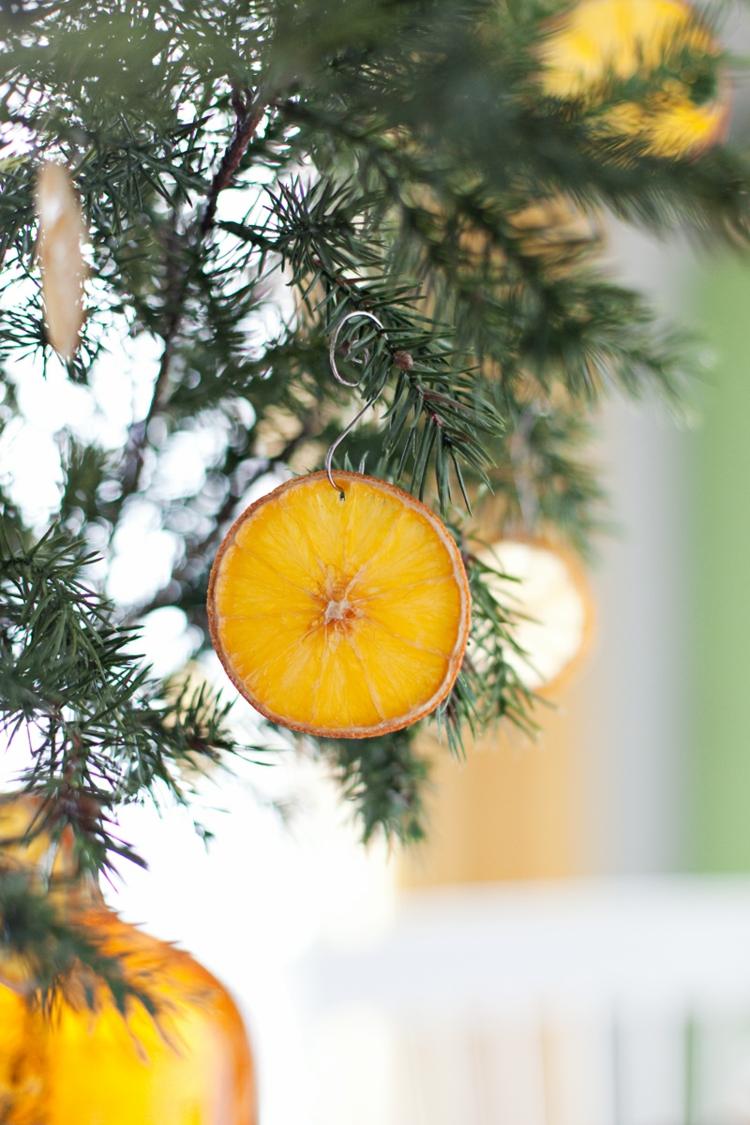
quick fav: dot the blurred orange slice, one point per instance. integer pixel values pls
(340, 616)
(547, 596)
(62, 234)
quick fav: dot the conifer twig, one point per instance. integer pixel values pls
(249, 114)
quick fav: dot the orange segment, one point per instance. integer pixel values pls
(401, 674)
(372, 519)
(343, 693)
(263, 589)
(341, 618)
(421, 614)
(404, 557)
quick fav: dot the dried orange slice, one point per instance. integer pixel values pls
(547, 593)
(341, 617)
(62, 233)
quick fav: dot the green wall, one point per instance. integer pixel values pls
(720, 539)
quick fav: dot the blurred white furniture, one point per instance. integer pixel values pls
(583, 1003)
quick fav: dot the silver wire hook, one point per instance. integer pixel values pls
(335, 340)
(346, 383)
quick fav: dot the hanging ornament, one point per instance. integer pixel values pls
(680, 104)
(79, 1064)
(340, 607)
(341, 612)
(62, 233)
(548, 597)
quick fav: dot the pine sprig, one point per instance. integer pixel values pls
(61, 957)
(384, 777)
(101, 731)
(436, 413)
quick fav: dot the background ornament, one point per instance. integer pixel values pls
(647, 70)
(62, 233)
(548, 597)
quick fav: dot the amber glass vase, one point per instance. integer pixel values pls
(83, 1063)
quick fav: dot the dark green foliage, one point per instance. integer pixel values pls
(384, 776)
(487, 688)
(396, 157)
(60, 956)
(101, 732)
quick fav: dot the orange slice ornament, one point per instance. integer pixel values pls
(62, 233)
(340, 612)
(547, 594)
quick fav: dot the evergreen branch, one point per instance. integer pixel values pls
(56, 956)
(435, 411)
(249, 116)
(199, 556)
(384, 777)
(178, 277)
(100, 731)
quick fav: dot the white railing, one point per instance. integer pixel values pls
(617, 1002)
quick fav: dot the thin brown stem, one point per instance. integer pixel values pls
(175, 290)
(249, 115)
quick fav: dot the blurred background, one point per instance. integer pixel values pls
(571, 945)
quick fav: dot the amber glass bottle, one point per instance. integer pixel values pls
(89, 1065)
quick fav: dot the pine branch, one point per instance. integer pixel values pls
(384, 777)
(199, 556)
(178, 276)
(435, 412)
(249, 115)
(54, 956)
(100, 731)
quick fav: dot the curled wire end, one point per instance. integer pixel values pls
(335, 340)
(346, 383)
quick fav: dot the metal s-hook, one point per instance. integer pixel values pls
(335, 340)
(347, 383)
